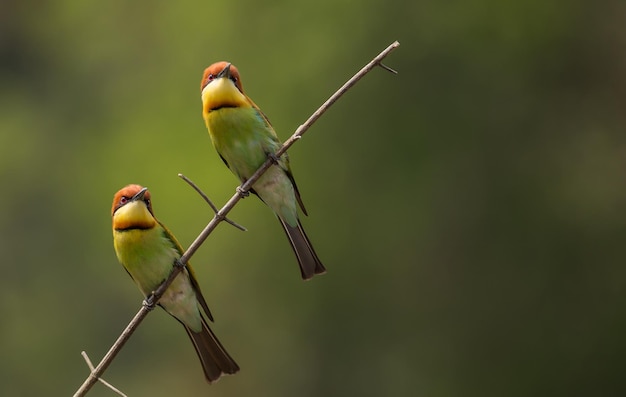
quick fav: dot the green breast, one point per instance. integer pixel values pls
(147, 254)
(242, 138)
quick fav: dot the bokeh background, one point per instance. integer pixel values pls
(470, 210)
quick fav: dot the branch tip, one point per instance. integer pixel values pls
(387, 68)
(235, 224)
(87, 360)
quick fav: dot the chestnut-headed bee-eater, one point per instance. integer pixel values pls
(244, 138)
(148, 250)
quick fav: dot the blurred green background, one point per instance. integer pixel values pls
(469, 210)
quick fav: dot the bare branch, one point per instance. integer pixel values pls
(208, 200)
(220, 216)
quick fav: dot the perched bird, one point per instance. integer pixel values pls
(244, 138)
(148, 250)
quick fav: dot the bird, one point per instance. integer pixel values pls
(244, 139)
(148, 251)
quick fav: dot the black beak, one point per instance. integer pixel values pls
(225, 72)
(139, 195)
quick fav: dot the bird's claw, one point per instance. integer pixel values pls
(273, 157)
(242, 193)
(148, 303)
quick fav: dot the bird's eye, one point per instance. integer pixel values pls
(234, 79)
(147, 201)
(123, 200)
(210, 77)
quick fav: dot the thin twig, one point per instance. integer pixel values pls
(221, 216)
(208, 200)
(387, 68)
(104, 382)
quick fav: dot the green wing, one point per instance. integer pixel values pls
(192, 275)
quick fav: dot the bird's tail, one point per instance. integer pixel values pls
(214, 358)
(310, 264)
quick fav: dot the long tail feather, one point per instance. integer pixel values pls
(214, 358)
(310, 264)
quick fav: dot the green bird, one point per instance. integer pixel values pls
(244, 138)
(148, 251)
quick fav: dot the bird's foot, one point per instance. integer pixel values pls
(273, 157)
(148, 303)
(242, 193)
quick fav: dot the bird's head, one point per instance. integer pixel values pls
(132, 208)
(221, 87)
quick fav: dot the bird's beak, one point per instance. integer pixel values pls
(139, 195)
(225, 72)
